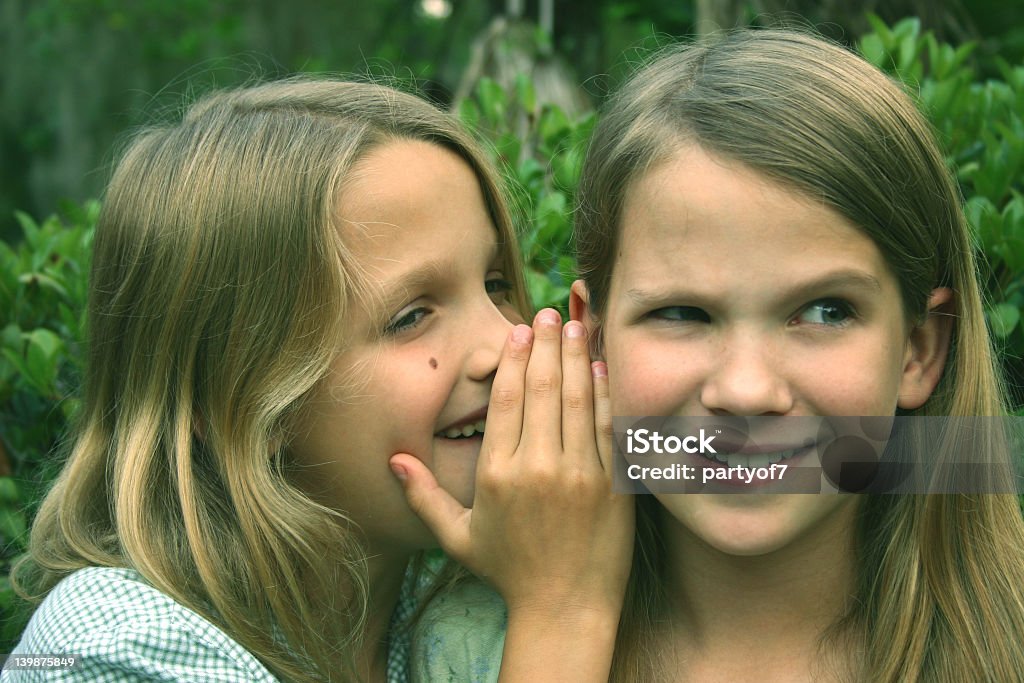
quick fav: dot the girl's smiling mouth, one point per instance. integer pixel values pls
(469, 426)
(463, 432)
(760, 459)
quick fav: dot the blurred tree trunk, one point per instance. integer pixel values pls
(508, 48)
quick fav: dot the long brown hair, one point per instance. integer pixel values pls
(941, 578)
(218, 299)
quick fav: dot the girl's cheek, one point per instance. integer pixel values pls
(646, 389)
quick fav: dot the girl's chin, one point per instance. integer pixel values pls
(746, 546)
(747, 526)
(744, 542)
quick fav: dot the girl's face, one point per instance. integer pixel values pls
(416, 372)
(732, 295)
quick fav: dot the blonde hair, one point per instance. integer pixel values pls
(941, 578)
(218, 299)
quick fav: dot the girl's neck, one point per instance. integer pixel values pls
(385, 574)
(774, 607)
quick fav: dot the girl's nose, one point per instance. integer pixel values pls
(485, 340)
(745, 379)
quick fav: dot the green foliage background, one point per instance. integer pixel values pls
(978, 118)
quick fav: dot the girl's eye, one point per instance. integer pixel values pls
(688, 314)
(497, 287)
(406, 321)
(832, 312)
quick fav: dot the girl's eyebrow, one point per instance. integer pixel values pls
(839, 280)
(395, 293)
(845, 279)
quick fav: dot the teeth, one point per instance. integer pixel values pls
(465, 430)
(755, 460)
(738, 460)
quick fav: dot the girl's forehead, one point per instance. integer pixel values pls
(693, 188)
(699, 216)
(406, 174)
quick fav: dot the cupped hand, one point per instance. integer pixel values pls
(545, 529)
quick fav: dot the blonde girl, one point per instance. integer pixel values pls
(294, 283)
(767, 227)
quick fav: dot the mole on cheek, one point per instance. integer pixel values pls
(433, 363)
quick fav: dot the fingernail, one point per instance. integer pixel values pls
(549, 316)
(599, 368)
(399, 471)
(573, 330)
(521, 334)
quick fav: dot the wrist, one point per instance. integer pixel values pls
(574, 642)
(590, 619)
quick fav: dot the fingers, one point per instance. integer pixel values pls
(542, 412)
(602, 416)
(443, 515)
(577, 393)
(505, 410)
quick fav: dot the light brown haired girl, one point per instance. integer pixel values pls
(767, 227)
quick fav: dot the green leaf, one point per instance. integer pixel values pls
(492, 100)
(1013, 218)
(28, 227)
(552, 225)
(529, 171)
(44, 281)
(984, 220)
(45, 341)
(469, 113)
(544, 292)
(567, 168)
(7, 256)
(1002, 319)
(880, 27)
(509, 146)
(907, 28)
(963, 52)
(20, 366)
(8, 490)
(1012, 254)
(938, 96)
(525, 93)
(39, 363)
(908, 53)
(872, 49)
(554, 126)
(69, 408)
(11, 336)
(12, 524)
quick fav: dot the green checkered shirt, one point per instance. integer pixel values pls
(120, 628)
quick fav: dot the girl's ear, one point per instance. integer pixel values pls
(927, 349)
(579, 309)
